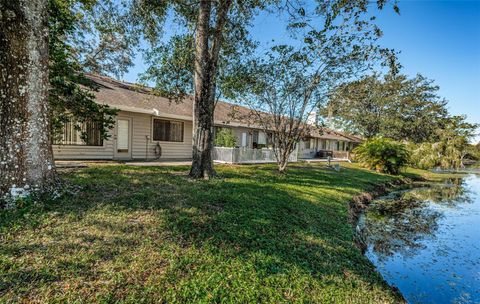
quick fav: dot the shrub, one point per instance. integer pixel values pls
(382, 154)
(443, 154)
(424, 155)
(224, 137)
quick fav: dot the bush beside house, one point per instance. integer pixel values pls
(224, 137)
(382, 155)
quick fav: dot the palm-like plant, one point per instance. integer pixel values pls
(382, 155)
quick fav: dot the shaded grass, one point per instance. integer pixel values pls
(150, 234)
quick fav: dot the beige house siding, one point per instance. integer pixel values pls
(84, 152)
(140, 107)
(170, 150)
(143, 146)
(142, 126)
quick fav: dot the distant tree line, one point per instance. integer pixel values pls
(405, 109)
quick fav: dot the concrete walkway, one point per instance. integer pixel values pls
(160, 163)
(72, 164)
(324, 160)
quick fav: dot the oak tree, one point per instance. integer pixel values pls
(26, 160)
(211, 39)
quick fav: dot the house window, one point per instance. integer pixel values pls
(255, 139)
(259, 139)
(81, 134)
(323, 144)
(307, 144)
(167, 130)
(262, 138)
(269, 139)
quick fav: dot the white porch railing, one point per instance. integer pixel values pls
(247, 155)
(311, 153)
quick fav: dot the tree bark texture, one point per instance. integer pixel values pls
(206, 62)
(26, 161)
(202, 162)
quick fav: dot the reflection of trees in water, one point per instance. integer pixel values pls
(400, 222)
(393, 227)
(449, 193)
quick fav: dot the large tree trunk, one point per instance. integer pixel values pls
(206, 62)
(204, 103)
(26, 162)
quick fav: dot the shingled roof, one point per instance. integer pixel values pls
(135, 98)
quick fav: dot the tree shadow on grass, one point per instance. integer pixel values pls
(285, 237)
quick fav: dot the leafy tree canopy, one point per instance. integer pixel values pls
(394, 106)
(171, 60)
(450, 148)
(84, 36)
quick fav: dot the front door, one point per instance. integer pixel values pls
(123, 142)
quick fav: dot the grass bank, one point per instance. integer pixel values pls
(150, 234)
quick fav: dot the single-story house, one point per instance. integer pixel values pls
(150, 127)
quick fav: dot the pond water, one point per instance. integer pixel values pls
(426, 240)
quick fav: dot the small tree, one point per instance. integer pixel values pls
(224, 137)
(285, 85)
(280, 99)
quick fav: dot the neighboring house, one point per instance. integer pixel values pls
(149, 127)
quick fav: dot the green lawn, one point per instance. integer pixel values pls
(150, 234)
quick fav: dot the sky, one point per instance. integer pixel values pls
(439, 39)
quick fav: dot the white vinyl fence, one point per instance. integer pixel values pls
(247, 155)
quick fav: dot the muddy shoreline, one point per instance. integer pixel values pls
(360, 203)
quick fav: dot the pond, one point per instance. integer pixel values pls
(426, 240)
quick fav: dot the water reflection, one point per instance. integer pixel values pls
(450, 192)
(426, 240)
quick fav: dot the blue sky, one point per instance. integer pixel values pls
(439, 39)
